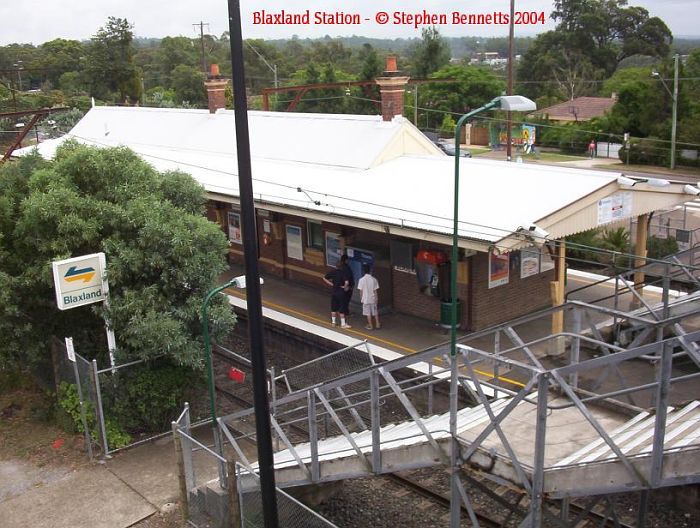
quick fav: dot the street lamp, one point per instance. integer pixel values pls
(509, 103)
(674, 99)
(236, 282)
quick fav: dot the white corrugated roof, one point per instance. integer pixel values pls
(341, 162)
(355, 141)
(410, 191)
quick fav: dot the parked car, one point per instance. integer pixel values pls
(449, 149)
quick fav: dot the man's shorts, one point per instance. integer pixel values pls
(337, 301)
(369, 309)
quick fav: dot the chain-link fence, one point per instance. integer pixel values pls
(78, 394)
(193, 493)
(335, 365)
(290, 512)
(106, 399)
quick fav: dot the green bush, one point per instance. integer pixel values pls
(645, 152)
(69, 402)
(658, 248)
(447, 128)
(146, 399)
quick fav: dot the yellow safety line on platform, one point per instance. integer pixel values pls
(323, 322)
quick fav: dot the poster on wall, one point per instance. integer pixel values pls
(614, 207)
(295, 248)
(498, 270)
(234, 228)
(547, 260)
(529, 262)
(333, 249)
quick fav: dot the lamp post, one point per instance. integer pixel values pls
(674, 111)
(509, 103)
(236, 282)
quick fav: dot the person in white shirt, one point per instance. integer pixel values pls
(369, 286)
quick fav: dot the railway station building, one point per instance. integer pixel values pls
(375, 188)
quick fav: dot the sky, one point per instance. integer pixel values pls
(38, 21)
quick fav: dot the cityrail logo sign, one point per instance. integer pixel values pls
(79, 281)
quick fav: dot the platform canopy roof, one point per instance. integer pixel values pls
(387, 177)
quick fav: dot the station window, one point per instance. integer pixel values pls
(234, 228)
(401, 255)
(314, 234)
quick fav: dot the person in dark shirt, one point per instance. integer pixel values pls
(338, 281)
(347, 272)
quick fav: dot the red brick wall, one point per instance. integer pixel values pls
(503, 303)
(410, 300)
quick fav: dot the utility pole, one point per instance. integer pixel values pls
(18, 65)
(415, 105)
(674, 102)
(509, 118)
(201, 43)
(674, 117)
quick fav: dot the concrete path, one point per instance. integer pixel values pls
(90, 498)
(129, 487)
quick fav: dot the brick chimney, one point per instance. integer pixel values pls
(392, 86)
(216, 89)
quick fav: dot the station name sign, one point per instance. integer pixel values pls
(79, 281)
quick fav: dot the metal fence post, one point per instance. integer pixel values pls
(575, 348)
(496, 367)
(234, 506)
(536, 513)
(187, 451)
(431, 390)
(99, 409)
(181, 474)
(273, 397)
(83, 418)
(376, 422)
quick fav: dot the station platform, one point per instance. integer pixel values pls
(403, 333)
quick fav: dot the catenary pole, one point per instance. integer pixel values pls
(509, 89)
(250, 250)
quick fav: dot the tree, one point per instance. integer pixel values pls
(188, 83)
(163, 256)
(592, 37)
(473, 87)
(110, 62)
(176, 51)
(430, 54)
(57, 57)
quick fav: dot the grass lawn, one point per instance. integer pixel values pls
(478, 151)
(553, 156)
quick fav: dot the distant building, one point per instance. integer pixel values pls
(578, 109)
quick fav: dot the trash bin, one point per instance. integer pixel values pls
(446, 313)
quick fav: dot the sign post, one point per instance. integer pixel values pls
(80, 281)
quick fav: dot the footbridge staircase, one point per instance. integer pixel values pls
(579, 413)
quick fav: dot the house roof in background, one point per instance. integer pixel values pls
(578, 109)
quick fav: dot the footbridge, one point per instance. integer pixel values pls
(559, 416)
